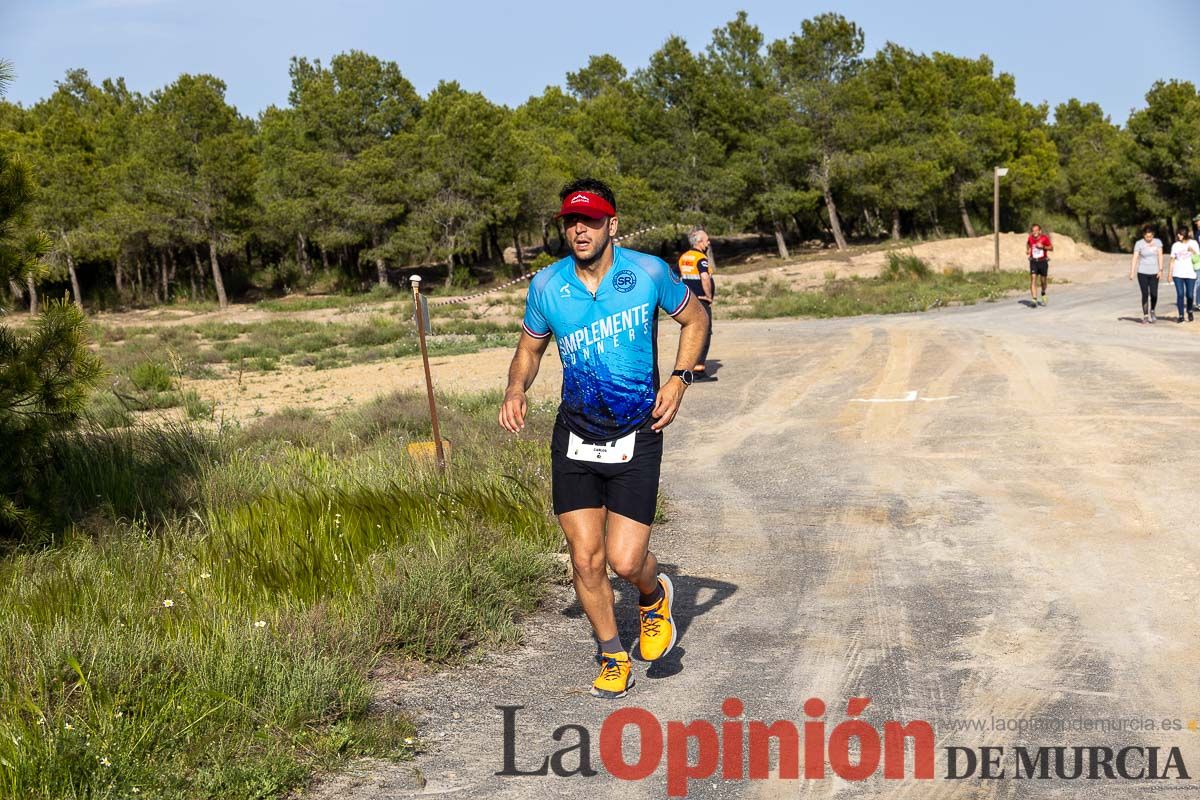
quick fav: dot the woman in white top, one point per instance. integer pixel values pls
(1183, 273)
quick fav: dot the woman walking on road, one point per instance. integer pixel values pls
(1194, 237)
(1183, 272)
(1147, 264)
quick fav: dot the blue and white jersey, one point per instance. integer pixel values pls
(607, 341)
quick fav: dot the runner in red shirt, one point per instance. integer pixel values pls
(1038, 247)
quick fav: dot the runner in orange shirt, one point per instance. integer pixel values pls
(697, 275)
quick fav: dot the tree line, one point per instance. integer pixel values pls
(149, 198)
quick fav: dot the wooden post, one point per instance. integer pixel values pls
(997, 174)
(995, 216)
(433, 415)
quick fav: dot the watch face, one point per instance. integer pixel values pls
(686, 376)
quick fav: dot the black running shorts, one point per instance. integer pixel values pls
(629, 489)
(1039, 266)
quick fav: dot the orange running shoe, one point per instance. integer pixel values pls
(616, 676)
(658, 632)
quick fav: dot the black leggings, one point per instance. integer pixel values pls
(708, 337)
(1149, 286)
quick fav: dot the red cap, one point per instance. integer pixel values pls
(587, 204)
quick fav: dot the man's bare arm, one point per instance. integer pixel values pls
(694, 324)
(707, 284)
(521, 372)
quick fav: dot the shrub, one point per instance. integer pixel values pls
(195, 406)
(904, 266)
(152, 376)
(220, 331)
(386, 292)
(378, 332)
(540, 261)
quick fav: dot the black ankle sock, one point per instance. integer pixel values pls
(612, 645)
(652, 598)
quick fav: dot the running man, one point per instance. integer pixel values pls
(1148, 264)
(601, 305)
(697, 275)
(1037, 248)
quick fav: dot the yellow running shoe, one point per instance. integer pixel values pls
(616, 676)
(658, 632)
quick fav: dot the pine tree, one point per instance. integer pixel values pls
(45, 372)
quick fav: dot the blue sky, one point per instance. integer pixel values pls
(1101, 50)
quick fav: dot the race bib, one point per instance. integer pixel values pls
(616, 452)
(1038, 252)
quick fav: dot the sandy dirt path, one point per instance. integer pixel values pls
(976, 513)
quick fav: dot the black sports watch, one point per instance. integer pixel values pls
(684, 375)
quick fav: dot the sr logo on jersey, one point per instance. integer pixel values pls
(625, 280)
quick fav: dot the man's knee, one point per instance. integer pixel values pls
(589, 565)
(628, 565)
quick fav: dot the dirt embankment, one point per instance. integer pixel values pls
(969, 255)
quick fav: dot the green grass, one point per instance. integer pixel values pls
(905, 285)
(194, 351)
(312, 303)
(106, 410)
(206, 622)
(194, 305)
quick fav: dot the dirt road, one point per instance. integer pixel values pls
(983, 513)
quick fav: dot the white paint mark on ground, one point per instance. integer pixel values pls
(908, 398)
(911, 397)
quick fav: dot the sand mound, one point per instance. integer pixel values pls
(969, 255)
(979, 253)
